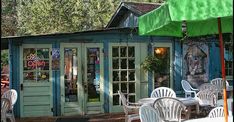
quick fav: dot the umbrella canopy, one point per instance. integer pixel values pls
(200, 17)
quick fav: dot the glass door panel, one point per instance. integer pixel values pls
(93, 74)
(162, 77)
(70, 74)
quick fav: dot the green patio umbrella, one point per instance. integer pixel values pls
(202, 17)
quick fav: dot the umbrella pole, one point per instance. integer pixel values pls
(223, 71)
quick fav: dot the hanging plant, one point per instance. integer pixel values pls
(152, 64)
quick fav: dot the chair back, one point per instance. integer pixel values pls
(163, 92)
(149, 114)
(5, 106)
(124, 101)
(12, 96)
(218, 82)
(207, 86)
(207, 98)
(169, 108)
(185, 85)
(216, 112)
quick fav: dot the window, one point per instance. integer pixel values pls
(228, 55)
(36, 64)
(123, 72)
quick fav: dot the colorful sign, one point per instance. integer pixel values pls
(55, 59)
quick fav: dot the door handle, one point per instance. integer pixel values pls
(21, 87)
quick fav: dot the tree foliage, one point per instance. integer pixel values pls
(53, 16)
(8, 18)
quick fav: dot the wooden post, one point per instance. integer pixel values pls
(223, 71)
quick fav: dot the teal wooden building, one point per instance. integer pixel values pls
(80, 73)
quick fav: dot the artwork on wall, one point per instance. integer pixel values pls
(195, 62)
(55, 59)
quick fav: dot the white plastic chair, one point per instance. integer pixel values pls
(131, 110)
(12, 96)
(216, 112)
(149, 114)
(169, 108)
(163, 92)
(218, 82)
(209, 86)
(5, 106)
(206, 98)
(188, 89)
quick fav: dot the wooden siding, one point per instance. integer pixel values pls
(178, 57)
(214, 60)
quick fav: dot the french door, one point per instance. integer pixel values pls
(35, 80)
(124, 63)
(81, 78)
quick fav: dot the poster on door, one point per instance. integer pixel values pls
(195, 62)
(55, 59)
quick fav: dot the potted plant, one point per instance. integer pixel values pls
(158, 66)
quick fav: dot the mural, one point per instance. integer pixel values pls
(195, 63)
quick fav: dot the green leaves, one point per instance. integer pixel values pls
(152, 64)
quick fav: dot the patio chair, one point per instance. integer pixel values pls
(209, 86)
(131, 110)
(188, 89)
(218, 82)
(169, 108)
(216, 112)
(5, 106)
(12, 96)
(149, 114)
(163, 92)
(207, 100)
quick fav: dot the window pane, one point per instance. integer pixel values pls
(70, 76)
(115, 63)
(30, 76)
(29, 53)
(115, 87)
(123, 51)
(123, 75)
(115, 52)
(132, 98)
(131, 63)
(131, 76)
(131, 87)
(131, 52)
(29, 64)
(43, 76)
(43, 53)
(124, 87)
(116, 100)
(123, 63)
(115, 75)
(43, 64)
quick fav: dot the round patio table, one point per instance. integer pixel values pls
(207, 119)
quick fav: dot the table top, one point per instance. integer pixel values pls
(186, 101)
(206, 119)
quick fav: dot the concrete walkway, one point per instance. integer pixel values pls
(117, 117)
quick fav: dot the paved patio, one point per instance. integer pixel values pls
(109, 117)
(117, 117)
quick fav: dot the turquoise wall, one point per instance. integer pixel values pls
(105, 38)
